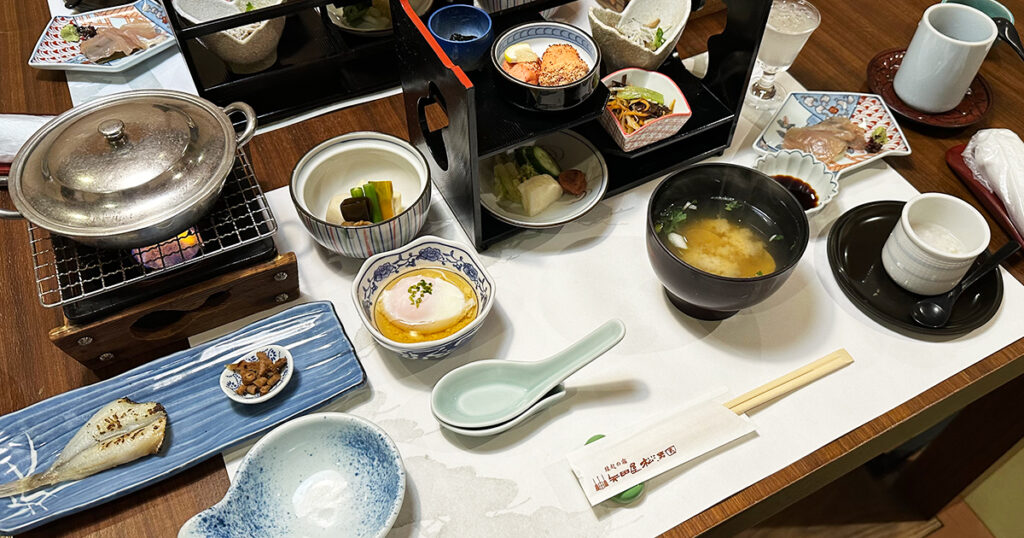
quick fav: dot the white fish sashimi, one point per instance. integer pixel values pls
(110, 41)
(120, 432)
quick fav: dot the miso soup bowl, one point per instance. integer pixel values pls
(427, 251)
(708, 296)
(348, 161)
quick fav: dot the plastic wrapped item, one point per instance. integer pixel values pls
(15, 129)
(996, 158)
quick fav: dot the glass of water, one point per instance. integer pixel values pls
(790, 23)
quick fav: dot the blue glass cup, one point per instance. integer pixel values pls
(464, 33)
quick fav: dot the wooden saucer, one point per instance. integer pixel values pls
(882, 69)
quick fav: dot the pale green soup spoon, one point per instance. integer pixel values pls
(489, 392)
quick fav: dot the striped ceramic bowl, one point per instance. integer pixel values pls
(347, 161)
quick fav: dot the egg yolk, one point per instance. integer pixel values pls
(424, 305)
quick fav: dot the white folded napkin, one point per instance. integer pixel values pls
(15, 129)
(996, 157)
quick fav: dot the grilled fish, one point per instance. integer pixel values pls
(120, 432)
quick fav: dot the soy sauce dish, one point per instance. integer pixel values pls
(516, 58)
(722, 238)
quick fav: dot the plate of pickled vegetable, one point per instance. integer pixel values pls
(549, 182)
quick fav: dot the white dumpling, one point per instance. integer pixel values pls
(539, 192)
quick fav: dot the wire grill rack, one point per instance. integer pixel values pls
(67, 271)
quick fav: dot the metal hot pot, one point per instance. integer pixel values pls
(127, 170)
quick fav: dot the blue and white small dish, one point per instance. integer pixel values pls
(427, 251)
(231, 380)
(468, 21)
(803, 166)
(868, 110)
(321, 475)
(540, 35)
(53, 52)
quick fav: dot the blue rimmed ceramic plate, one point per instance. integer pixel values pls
(571, 151)
(53, 52)
(810, 108)
(230, 380)
(322, 475)
(201, 421)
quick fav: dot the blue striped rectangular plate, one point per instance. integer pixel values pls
(202, 421)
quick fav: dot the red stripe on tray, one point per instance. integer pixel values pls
(445, 60)
(991, 202)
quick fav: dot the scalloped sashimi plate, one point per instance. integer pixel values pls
(52, 52)
(810, 108)
(202, 421)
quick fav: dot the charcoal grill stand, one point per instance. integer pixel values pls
(163, 325)
(118, 313)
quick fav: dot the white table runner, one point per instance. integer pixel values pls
(554, 286)
(518, 483)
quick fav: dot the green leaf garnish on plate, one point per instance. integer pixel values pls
(69, 33)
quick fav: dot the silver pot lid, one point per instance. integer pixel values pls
(125, 162)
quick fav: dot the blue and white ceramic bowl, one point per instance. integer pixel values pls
(321, 475)
(347, 161)
(540, 35)
(231, 380)
(427, 251)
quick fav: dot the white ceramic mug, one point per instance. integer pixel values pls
(948, 47)
(936, 240)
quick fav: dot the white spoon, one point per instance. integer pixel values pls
(547, 401)
(490, 392)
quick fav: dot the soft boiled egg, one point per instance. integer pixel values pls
(425, 304)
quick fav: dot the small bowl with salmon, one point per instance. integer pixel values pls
(546, 65)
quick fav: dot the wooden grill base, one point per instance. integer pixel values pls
(163, 325)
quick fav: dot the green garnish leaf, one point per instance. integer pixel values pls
(776, 237)
(249, 7)
(659, 39)
(69, 33)
(759, 273)
(731, 204)
(419, 290)
(636, 92)
(879, 135)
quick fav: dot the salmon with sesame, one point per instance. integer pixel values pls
(560, 65)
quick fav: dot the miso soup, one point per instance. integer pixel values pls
(721, 236)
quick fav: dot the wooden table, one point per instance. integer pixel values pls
(991, 415)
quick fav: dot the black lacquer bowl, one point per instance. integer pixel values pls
(539, 35)
(759, 202)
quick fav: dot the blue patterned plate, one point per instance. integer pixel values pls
(230, 380)
(811, 108)
(53, 52)
(427, 251)
(201, 421)
(322, 475)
